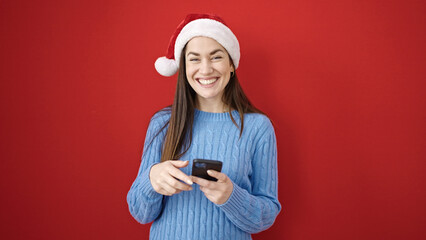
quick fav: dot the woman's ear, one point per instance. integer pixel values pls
(231, 63)
(232, 71)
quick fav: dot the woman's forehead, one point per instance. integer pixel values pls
(203, 45)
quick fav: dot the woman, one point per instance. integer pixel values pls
(210, 118)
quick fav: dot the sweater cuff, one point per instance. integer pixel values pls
(146, 186)
(235, 201)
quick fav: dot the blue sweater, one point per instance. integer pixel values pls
(250, 162)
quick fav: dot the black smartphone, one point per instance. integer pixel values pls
(200, 167)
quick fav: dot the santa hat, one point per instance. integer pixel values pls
(196, 25)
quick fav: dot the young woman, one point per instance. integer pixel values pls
(210, 118)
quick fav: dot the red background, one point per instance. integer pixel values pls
(343, 81)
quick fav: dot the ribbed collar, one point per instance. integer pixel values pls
(209, 116)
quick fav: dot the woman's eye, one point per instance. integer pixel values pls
(193, 59)
(217, 57)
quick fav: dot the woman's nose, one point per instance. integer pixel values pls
(206, 67)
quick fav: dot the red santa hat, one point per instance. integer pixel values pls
(196, 25)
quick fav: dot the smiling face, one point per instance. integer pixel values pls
(208, 70)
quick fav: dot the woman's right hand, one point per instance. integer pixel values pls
(165, 177)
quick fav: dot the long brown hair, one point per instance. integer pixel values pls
(178, 137)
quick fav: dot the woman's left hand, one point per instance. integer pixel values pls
(217, 192)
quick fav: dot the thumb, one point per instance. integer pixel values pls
(179, 163)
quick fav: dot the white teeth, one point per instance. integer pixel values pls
(207, 81)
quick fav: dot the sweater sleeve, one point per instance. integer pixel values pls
(256, 211)
(144, 202)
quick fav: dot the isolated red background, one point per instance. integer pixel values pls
(343, 82)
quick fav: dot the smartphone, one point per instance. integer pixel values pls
(200, 167)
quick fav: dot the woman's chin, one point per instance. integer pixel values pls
(209, 96)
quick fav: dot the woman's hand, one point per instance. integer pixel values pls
(217, 192)
(165, 177)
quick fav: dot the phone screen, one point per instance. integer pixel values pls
(200, 167)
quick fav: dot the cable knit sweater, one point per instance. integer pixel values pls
(250, 162)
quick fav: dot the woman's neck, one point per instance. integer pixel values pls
(214, 106)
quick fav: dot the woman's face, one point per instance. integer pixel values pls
(208, 69)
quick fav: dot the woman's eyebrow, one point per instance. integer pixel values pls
(211, 53)
(196, 54)
(215, 51)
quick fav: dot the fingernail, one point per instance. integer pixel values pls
(189, 182)
(209, 171)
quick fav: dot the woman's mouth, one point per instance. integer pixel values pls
(207, 81)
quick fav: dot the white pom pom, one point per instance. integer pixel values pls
(166, 67)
